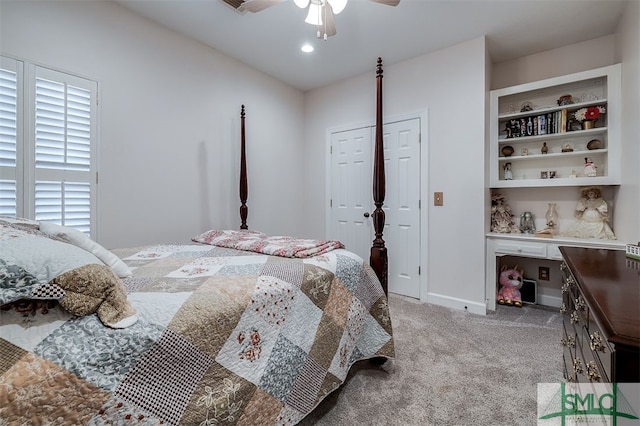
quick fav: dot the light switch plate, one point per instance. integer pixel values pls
(438, 199)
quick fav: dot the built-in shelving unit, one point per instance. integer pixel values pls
(567, 146)
(550, 122)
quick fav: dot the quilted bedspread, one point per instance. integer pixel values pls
(223, 337)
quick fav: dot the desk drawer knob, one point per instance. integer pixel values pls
(596, 342)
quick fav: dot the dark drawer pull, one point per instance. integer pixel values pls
(577, 366)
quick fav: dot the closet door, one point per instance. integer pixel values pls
(402, 205)
(351, 190)
(352, 198)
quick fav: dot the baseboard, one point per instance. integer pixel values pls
(455, 303)
(552, 301)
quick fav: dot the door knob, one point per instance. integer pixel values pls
(366, 214)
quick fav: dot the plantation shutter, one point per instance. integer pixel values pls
(48, 145)
(63, 149)
(8, 136)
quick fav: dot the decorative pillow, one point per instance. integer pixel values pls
(89, 285)
(17, 284)
(80, 239)
(42, 257)
(20, 221)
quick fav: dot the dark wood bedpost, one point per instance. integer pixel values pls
(378, 259)
(244, 190)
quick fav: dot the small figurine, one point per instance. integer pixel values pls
(565, 100)
(544, 148)
(590, 169)
(527, 223)
(567, 148)
(511, 281)
(593, 217)
(526, 106)
(508, 174)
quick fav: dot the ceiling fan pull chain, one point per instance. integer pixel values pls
(325, 6)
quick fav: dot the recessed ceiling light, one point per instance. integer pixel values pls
(307, 48)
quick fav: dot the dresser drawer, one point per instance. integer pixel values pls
(521, 248)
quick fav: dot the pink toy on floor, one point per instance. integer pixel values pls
(510, 281)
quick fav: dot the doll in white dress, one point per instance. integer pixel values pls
(593, 217)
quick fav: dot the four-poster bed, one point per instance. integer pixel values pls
(232, 327)
(379, 258)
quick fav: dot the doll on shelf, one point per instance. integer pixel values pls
(593, 217)
(508, 174)
(501, 216)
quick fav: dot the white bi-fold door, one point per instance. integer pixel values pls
(352, 199)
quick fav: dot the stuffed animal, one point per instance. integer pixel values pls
(510, 283)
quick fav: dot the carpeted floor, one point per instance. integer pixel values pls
(452, 368)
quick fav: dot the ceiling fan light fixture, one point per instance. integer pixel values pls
(301, 3)
(314, 17)
(337, 5)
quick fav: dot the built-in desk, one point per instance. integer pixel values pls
(601, 329)
(526, 245)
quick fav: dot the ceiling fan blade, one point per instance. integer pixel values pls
(387, 2)
(329, 26)
(254, 6)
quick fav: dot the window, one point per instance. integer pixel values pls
(48, 145)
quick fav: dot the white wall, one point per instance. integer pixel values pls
(170, 126)
(450, 85)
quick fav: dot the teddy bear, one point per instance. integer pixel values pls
(510, 281)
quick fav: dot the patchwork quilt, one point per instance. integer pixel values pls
(222, 336)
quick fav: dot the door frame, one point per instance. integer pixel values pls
(422, 115)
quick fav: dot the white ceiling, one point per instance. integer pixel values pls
(270, 40)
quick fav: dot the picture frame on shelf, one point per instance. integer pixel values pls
(544, 174)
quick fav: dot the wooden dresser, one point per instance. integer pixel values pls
(601, 308)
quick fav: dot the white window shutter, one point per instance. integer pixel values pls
(8, 137)
(64, 150)
(48, 146)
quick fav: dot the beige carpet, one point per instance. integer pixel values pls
(452, 368)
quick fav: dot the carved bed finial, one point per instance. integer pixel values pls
(244, 190)
(378, 259)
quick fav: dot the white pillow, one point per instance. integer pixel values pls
(80, 239)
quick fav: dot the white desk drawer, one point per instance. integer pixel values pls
(520, 248)
(553, 252)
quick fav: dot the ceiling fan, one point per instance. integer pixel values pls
(320, 12)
